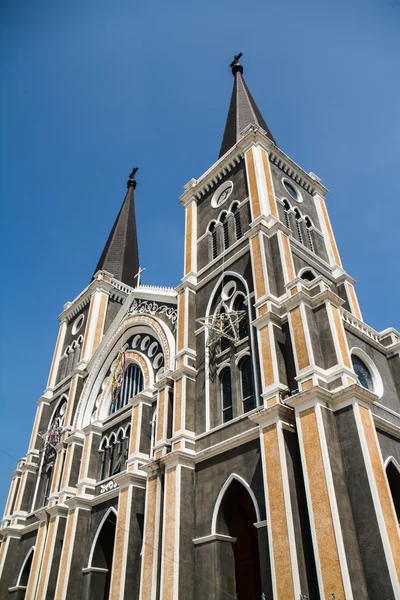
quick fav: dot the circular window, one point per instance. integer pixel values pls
(145, 343)
(228, 290)
(78, 324)
(363, 373)
(222, 194)
(63, 408)
(292, 190)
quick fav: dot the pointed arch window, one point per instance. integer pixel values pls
(310, 240)
(132, 385)
(153, 429)
(226, 396)
(393, 476)
(103, 459)
(225, 229)
(240, 305)
(47, 483)
(214, 247)
(298, 226)
(101, 557)
(247, 386)
(238, 224)
(286, 208)
(23, 577)
(118, 454)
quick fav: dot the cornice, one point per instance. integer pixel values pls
(252, 135)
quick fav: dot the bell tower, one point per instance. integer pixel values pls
(237, 436)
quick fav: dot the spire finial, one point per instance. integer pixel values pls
(131, 181)
(235, 64)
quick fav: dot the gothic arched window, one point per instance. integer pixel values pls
(310, 240)
(103, 459)
(247, 387)
(236, 217)
(241, 306)
(286, 208)
(226, 396)
(119, 456)
(225, 229)
(393, 475)
(214, 247)
(111, 455)
(153, 429)
(298, 226)
(132, 385)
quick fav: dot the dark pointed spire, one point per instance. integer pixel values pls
(243, 111)
(120, 255)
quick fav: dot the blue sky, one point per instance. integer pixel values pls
(91, 89)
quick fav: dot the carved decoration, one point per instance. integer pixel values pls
(152, 308)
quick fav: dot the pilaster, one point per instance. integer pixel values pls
(326, 227)
(151, 538)
(335, 557)
(281, 534)
(127, 536)
(178, 520)
(67, 587)
(95, 323)
(89, 464)
(51, 553)
(40, 544)
(139, 449)
(57, 354)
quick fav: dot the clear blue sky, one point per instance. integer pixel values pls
(91, 89)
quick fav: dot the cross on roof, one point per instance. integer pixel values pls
(236, 59)
(138, 274)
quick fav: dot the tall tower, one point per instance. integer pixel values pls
(235, 437)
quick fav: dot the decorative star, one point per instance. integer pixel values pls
(223, 323)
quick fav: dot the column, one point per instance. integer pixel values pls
(51, 552)
(334, 556)
(139, 446)
(90, 460)
(326, 227)
(37, 557)
(151, 557)
(320, 346)
(72, 558)
(95, 323)
(57, 354)
(128, 543)
(281, 533)
(177, 565)
(261, 189)
(165, 389)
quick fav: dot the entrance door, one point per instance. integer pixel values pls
(239, 515)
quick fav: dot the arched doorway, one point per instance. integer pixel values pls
(393, 475)
(102, 558)
(236, 518)
(23, 577)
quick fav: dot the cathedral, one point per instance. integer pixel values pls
(234, 437)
